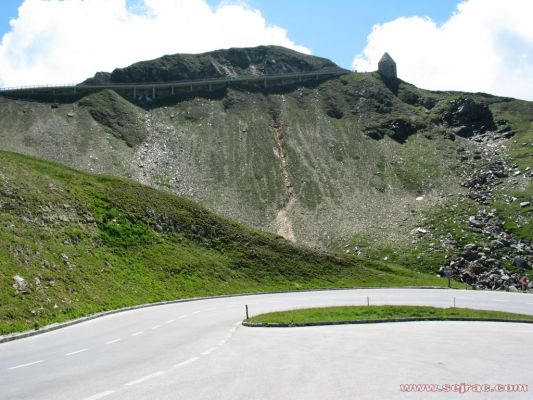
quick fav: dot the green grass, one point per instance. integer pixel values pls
(349, 189)
(371, 313)
(88, 243)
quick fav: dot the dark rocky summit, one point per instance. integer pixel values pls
(232, 63)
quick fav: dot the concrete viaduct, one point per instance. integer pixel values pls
(153, 90)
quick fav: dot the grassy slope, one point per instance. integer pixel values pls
(349, 190)
(222, 146)
(357, 313)
(88, 243)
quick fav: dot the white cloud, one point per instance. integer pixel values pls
(487, 46)
(65, 41)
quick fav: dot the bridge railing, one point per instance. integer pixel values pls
(199, 81)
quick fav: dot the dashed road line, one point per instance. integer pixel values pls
(222, 342)
(211, 309)
(155, 327)
(76, 352)
(190, 360)
(113, 341)
(530, 303)
(196, 312)
(100, 395)
(169, 321)
(209, 351)
(26, 365)
(182, 316)
(137, 333)
(145, 378)
(502, 301)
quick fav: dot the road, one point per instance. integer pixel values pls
(199, 350)
(296, 76)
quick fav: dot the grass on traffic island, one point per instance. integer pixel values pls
(363, 314)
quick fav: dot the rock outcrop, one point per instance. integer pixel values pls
(468, 117)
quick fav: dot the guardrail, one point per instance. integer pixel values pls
(176, 84)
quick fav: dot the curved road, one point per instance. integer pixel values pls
(199, 350)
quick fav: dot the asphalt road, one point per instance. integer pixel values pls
(199, 350)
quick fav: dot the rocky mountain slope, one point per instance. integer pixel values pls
(351, 163)
(72, 244)
(230, 63)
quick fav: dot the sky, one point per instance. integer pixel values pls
(470, 45)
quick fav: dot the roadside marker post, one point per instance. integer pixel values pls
(368, 301)
(247, 312)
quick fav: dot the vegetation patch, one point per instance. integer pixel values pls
(328, 315)
(72, 244)
(118, 115)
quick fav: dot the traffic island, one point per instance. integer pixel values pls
(378, 314)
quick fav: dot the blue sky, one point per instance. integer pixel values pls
(335, 29)
(469, 45)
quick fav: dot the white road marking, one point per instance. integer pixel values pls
(145, 378)
(529, 303)
(502, 301)
(209, 351)
(238, 323)
(137, 333)
(155, 327)
(211, 309)
(182, 316)
(190, 360)
(26, 365)
(100, 395)
(196, 312)
(113, 341)
(222, 342)
(170, 321)
(76, 352)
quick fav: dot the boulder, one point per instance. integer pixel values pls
(472, 220)
(20, 284)
(470, 255)
(521, 263)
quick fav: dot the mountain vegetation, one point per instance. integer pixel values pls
(352, 164)
(73, 243)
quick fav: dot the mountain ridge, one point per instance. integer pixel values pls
(226, 63)
(345, 163)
